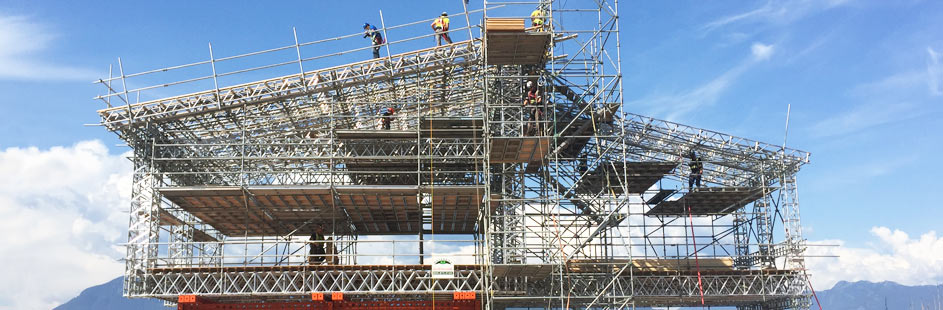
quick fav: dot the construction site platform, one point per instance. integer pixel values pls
(706, 201)
(509, 43)
(519, 149)
(373, 209)
(640, 176)
(651, 267)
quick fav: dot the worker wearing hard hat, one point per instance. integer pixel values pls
(538, 18)
(370, 31)
(441, 27)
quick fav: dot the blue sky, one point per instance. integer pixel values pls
(865, 80)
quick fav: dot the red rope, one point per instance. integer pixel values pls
(813, 292)
(697, 263)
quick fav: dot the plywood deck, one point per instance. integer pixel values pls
(275, 210)
(518, 149)
(508, 43)
(639, 175)
(708, 201)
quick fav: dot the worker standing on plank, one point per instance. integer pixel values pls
(316, 250)
(441, 27)
(370, 31)
(697, 169)
(537, 18)
(532, 102)
(387, 118)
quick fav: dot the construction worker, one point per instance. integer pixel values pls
(370, 31)
(532, 102)
(697, 169)
(387, 118)
(537, 18)
(316, 250)
(441, 27)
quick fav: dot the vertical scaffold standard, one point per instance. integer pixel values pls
(499, 170)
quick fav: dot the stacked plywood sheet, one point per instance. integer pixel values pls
(504, 24)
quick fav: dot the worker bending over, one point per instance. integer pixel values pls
(538, 18)
(370, 31)
(387, 118)
(697, 169)
(441, 27)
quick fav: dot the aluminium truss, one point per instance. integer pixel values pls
(563, 202)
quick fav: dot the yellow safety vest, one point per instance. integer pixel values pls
(441, 22)
(537, 17)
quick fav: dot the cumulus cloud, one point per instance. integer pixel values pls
(63, 214)
(21, 40)
(761, 51)
(893, 256)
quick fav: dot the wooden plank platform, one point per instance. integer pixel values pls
(639, 175)
(508, 43)
(723, 264)
(304, 267)
(518, 149)
(451, 127)
(642, 267)
(708, 201)
(374, 209)
(376, 134)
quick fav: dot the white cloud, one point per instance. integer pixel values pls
(935, 72)
(865, 116)
(895, 256)
(21, 41)
(761, 51)
(673, 106)
(63, 214)
(777, 12)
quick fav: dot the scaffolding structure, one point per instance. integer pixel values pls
(548, 196)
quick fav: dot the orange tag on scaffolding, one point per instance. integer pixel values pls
(317, 296)
(463, 295)
(186, 299)
(337, 296)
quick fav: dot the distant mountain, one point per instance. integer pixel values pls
(108, 297)
(864, 295)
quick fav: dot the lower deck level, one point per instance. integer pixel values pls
(513, 285)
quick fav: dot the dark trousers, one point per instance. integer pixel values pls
(442, 35)
(316, 257)
(376, 51)
(694, 178)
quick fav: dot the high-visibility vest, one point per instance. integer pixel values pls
(696, 166)
(441, 22)
(537, 17)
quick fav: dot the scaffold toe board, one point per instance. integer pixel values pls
(518, 149)
(708, 201)
(451, 127)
